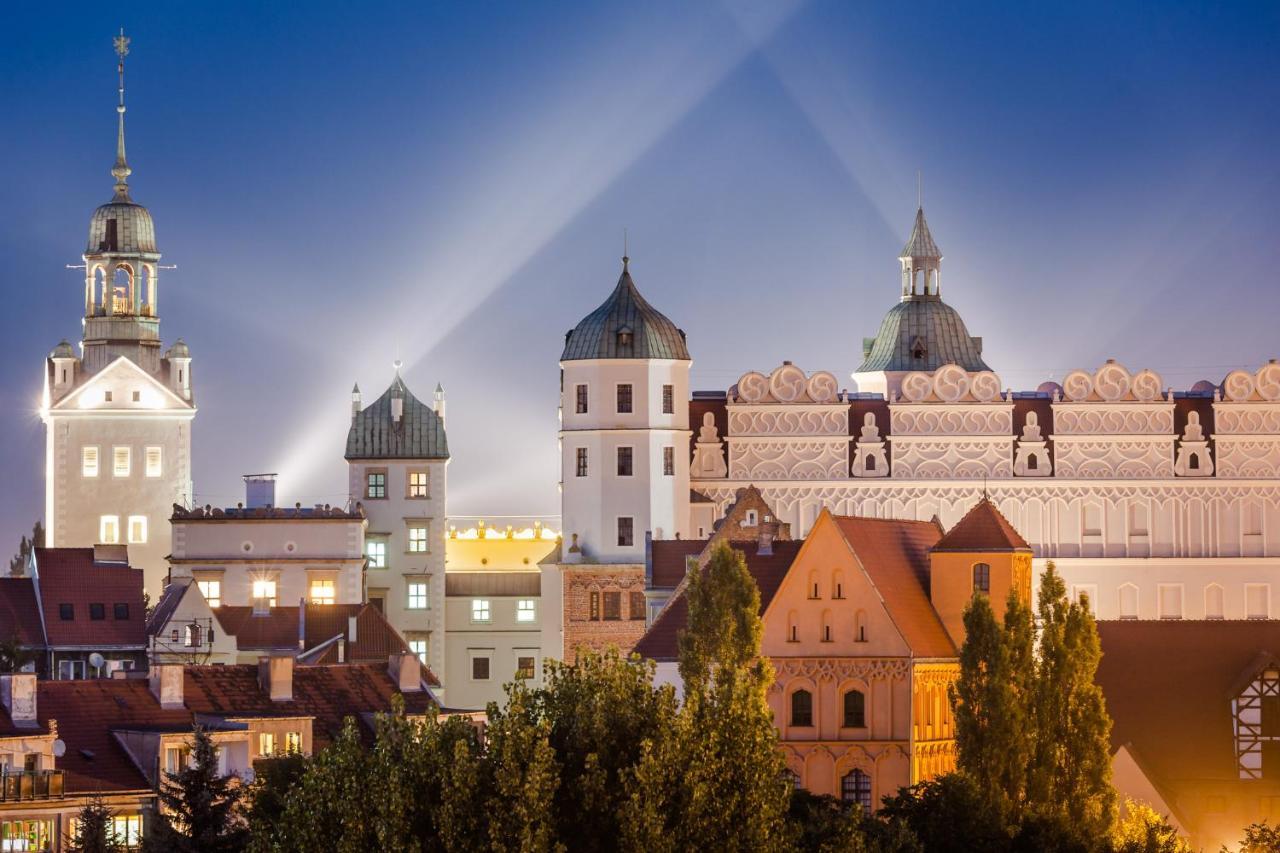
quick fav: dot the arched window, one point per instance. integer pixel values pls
(860, 626)
(122, 290)
(837, 584)
(793, 628)
(1032, 462)
(855, 787)
(1128, 601)
(802, 708)
(855, 710)
(1213, 601)
(826, 626)
(981, 578)
(792, 777)
(1193, 461)
(813, 584)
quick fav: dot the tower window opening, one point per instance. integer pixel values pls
(1032, 462)
(1193, 462)
(109, 241)
(871, 463)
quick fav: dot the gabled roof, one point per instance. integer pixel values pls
(278, 630)
(895, 555)
(661, 641)
(19, 613)
(123, 363)
(983, 528)
(71, 576)
(417, 434)
(1168, 685)
(652, 334)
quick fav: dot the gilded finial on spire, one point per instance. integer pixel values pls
(121, 170)
(626, 259)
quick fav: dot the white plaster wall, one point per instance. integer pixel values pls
(502, 638)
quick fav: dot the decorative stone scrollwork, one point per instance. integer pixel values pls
(1194, 459)
(840, 669)
(951, 384)
(1248, 458)
(1069, 419)
(952, 420)
(708, 451)
(1077, 386)
(1146, 386)
(868, 453)
(758, 459)
(1241, 386)
(958, 458)
(1096, 460)
(1267, 381)
(1111, 382)
(774, 421)
(787, 384)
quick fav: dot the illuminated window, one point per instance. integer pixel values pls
(856, 788)
(624, 399)
(292, 742)
(582, 462)
(212, 592)
(109, 529)
(192, 636)
(137, 529)
(375, 484)
(526, 610)
(264, 592)
(127, 829)
(581, 393)
(981, 578)
(120, 461)
(89, 461)
(419, 648)
(668, 399)
(525, 666)
(27, 834)
(154, 457)
(176, 758)
(594, 611)
(855, 710)
(323, 591)
(417, 540)
(479, 610)
(267, 743)
(625, 462)
(417, 596)
(626, 532)
(668, 461)
(802, 708)
(376, 551)
(417, 484)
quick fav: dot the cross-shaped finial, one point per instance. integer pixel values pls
(121, 43)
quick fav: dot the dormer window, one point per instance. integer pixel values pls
(625, 336)
(919, 350)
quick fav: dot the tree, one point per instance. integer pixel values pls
(952, 813)
(95, 829)
(273, 780)
(717, 782)
(18, 564)
(1069, 783)
(823, 824)
(993, 737)
(1260, 838)
(200, 809)
(1141, 829)
(13, 657)
(523, 776)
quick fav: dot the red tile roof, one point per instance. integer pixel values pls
(278, 630)
(895, 555)
(19, 613)
(661, 641)
(983, 528)
(70, 576)
(669, 559)
(89, 713)
(1169, 685)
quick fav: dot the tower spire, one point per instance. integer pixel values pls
(121, 170)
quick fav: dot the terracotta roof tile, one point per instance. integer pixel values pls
(277, 630)
(661, 641)
(1176, 715)
(895, 555)
(19, 614)
(669, 560)
(70, 576)
(983, 528)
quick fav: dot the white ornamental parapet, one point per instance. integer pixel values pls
(1246, 423)
(951, 424)
(788, 425)
(1113, 424)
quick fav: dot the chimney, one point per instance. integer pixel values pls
(351, 629)
(18, 693)
(438, 404)
(166, 684)
(355, 400)
(302, 624)
(275, 677)
(406, 671)
(765, 541)
(259, 490)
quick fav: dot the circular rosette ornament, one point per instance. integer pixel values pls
(985, 386)
(951, 383)
(1077, 386)
(1238, 386)
(1146, 386)
(1111, 382)
(822, 387)
(787, 383)
(753, 387)
(1268, 381)
(916, 387)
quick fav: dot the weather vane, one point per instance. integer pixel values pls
(122, 44)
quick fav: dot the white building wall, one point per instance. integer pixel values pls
(503, 640)
(390, 519)
(657, 502)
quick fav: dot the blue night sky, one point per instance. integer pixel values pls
(342, 184)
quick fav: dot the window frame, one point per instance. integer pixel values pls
(668, 461)
(982, 578)
(87, 451)
(417, 595)
(581, 399)
(264, 584)
(369, 486)
(381, 560)
(153, 471)
(114, 522)
(417, 491)
(611, 603)
(855, 717)
(481, 611)
(633, 613)
(477, 655)
(204, 586)
(631, 531)
(582, 462)
(668, 399)
(324, 584)
(527, 614)
(629, 397)
(629, 456)
(418, 545)
(800, 717)
(141, 522)
(119, 451)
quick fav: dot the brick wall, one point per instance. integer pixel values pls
(581, 584)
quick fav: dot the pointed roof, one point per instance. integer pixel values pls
(983, 528)
(652, 334)
(920, 244)
(376, 434)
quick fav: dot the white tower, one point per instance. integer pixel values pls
(118, 417)
(624, 438)
(397, 454)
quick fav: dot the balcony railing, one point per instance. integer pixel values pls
(30, 785)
